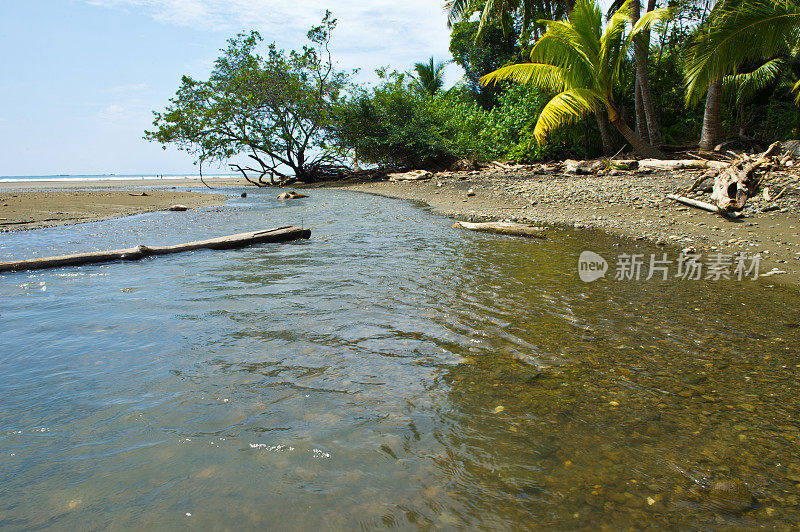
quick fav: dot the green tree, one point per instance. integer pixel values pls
(734, 34)
(393, 125)
(277, 110)
(495, 49)
(581, 62)
(430, 76)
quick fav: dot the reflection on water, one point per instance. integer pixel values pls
(391, 371)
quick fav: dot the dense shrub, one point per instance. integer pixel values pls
(394, 125)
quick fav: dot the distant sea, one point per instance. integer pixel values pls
(107, 177)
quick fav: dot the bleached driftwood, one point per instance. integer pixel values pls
(682, 164)
(694, 203)
(504, 228)
(740, 180)
(280, 234)
(413, 175)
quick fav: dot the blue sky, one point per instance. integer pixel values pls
(82, 77)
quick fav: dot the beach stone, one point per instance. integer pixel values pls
(576, 167)
(291, 195)
(730, 496)
(244, 194)
(464, 165)
(470, 192)
(178, 208)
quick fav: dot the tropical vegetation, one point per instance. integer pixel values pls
(542, 79)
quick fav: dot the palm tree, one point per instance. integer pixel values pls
(430, 76)
(581, 62)
(507, 10)
(736, 33)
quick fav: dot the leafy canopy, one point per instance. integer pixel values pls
(276, 109)
(737, 33)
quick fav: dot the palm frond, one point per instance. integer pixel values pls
(566, 108)
(746, 84)
(430, 76)
(546, 77)
(746, 31)
(457, 10)
(572, 47)
(558, 48)
(613, 44)
(586, 21)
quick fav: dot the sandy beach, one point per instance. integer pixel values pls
(38, 204)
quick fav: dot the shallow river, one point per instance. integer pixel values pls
(389, 372)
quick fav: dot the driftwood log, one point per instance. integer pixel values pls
(413, 175)
(684, 164)
(504, 228)
(280, 234)
(694, 203)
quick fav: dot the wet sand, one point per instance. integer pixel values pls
(54, 203)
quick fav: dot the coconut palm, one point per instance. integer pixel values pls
(430, 76)
(581, 62)
(507, 10)
(736, 33)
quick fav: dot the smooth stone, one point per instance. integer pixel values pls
(730, 496)
(178, 208)
(291, 195)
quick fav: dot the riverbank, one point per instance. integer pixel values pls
(631, 205)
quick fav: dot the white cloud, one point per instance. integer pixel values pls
(113, 112)
(369, 34)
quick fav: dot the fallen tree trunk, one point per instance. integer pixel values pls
(504, 228)
(280, 234)
(683, 164)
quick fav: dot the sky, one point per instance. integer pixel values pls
(81, 78)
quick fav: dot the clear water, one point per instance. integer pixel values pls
(353, 381)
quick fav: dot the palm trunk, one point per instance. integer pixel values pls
(711, 134)
(641, 118)
(640, 52)
(605, 131)
(637, 142)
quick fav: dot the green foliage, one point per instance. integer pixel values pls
(581, 60)
(276, 109)
(736, 33)
(495, 49)
(430, 76)
(394, 125)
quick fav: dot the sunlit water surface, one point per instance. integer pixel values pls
(390, 372)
